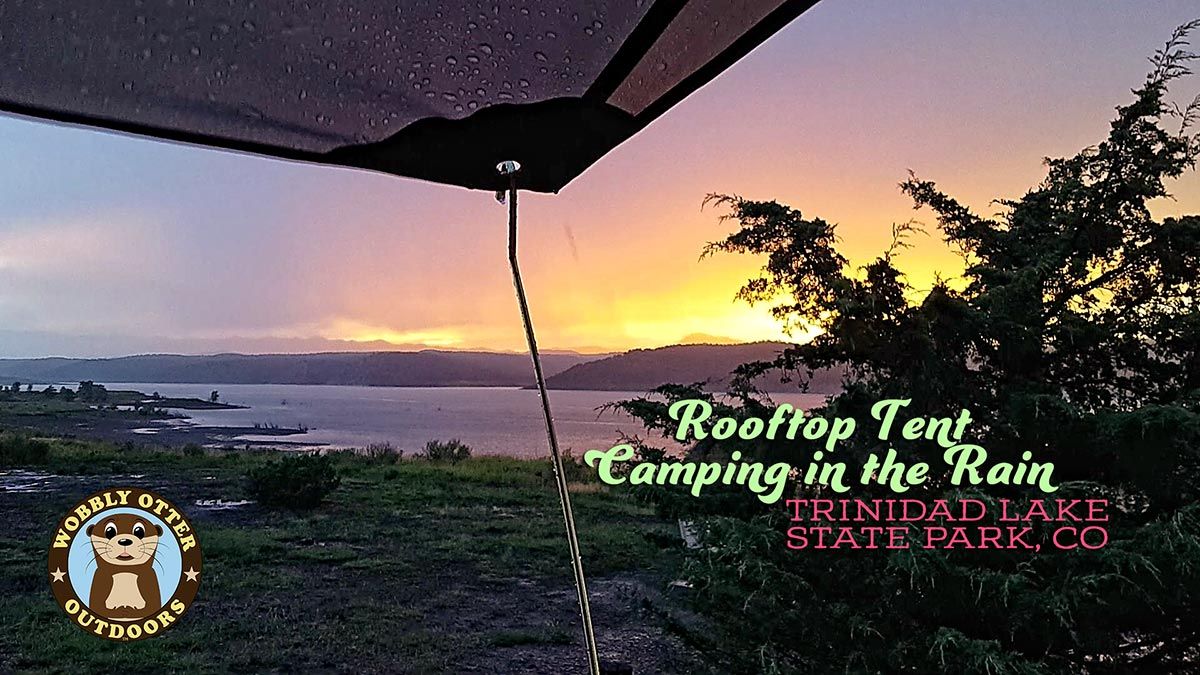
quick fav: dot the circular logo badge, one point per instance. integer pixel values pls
(124, 564)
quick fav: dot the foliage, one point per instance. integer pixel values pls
(91, 392)
(384, 453)
(452, 451)
(1073, 333)
(575, 470)
(297, 481)
(20, 450)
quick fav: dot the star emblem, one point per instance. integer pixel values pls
(58, 574)
(192, 574)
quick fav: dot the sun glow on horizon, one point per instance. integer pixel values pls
(351, 331)
(739, 323)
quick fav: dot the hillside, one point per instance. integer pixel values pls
(644, 369)
(429, 368)
(636, 370)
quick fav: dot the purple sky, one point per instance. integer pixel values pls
(111, 245)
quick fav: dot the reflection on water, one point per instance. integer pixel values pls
(221, 504)
(25, 481)
(493, 421)
(19, 480)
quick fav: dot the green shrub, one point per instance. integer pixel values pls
(17, 450)
(298, 482)
(452, 451)
(384, 453)
(574, 470)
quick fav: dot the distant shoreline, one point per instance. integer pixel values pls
(123, 415)
(635, 370)
(504, 421)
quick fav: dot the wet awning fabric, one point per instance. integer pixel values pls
(440, 91)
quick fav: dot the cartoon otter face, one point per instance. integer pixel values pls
(124, 539)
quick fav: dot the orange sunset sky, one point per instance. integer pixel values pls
(111, 245)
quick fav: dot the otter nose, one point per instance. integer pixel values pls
(124, 542)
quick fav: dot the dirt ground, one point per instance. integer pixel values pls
(297, 593)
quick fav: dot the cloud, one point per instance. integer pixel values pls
(54, 247)
(75, 274)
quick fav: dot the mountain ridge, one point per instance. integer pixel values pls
(425, 368)
(713, 364)
(635, 370)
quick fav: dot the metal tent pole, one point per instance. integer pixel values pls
(510, 169)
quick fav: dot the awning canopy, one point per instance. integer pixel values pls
(436, 90)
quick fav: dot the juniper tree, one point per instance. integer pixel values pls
(1073, 332)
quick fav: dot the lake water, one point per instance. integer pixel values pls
(493, 421)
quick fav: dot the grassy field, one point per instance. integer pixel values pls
(409, 566)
